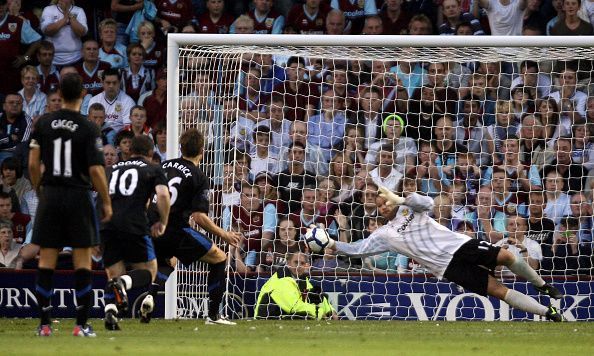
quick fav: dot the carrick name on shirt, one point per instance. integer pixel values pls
(180, 167)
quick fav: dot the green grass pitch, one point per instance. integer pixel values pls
(282, 338)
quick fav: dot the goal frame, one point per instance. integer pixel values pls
(177, 40)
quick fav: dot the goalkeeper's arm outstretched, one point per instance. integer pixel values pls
(412, 232)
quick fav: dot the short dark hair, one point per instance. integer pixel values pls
(45, 44)
(192, 143)
(110, 71)
(97, 107)
(4, 195)
(71, 87)
(122, 135)
(142, 145)
(295, 59)
(296, 144)
(137, 107)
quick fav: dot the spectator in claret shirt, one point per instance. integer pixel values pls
(173, 15)
(299, 96)
(394, 17)
(453, 16)
(355, 12)
(215, 19)
(420, 25)
(266, 19)
(308, 18)
(335, 22)
(373, 26)
(92, 68)
(49, 76)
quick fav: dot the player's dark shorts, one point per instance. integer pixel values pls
(187, 245)
(123, 246)
(471, 265)
(66, 216)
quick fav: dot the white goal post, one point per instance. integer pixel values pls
(208, 77)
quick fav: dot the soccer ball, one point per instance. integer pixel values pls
(317, 239)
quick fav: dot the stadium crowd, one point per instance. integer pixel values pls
(505, 149)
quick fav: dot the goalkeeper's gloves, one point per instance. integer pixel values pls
(391, 198)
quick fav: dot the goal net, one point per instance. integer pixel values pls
(303, 129)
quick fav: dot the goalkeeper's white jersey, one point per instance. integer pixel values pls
(413, 233)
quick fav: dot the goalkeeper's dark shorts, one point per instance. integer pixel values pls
(472, 264)
(66, 216)
(187, 245)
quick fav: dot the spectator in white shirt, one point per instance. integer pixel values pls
(117, 104)
(517, 243)
(505, 16)
(568, 95)
(34, 100)
(386, 175)
(9, 250)
(64, 24)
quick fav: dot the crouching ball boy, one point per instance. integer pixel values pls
(446, 254)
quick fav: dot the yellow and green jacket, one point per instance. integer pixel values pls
(283, 296)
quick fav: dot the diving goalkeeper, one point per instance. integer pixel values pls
(459, 258)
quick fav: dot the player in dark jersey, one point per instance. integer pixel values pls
(71, 150)
(189, 200)
(131, 184)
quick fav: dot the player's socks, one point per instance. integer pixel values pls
(137, 278)
(524, 302)
(522, 269)
(148, 303)
(153, 289)
(43, 292)
(216, 288)
(163, 274)
(111, 318)
(82, 284)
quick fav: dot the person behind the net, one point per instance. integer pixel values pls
(447, 254)
(189, 188)
(132, 183)
(70, 148)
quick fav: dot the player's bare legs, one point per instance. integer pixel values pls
(522, 269)
(216, 260)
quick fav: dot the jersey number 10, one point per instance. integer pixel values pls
(126, 186)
